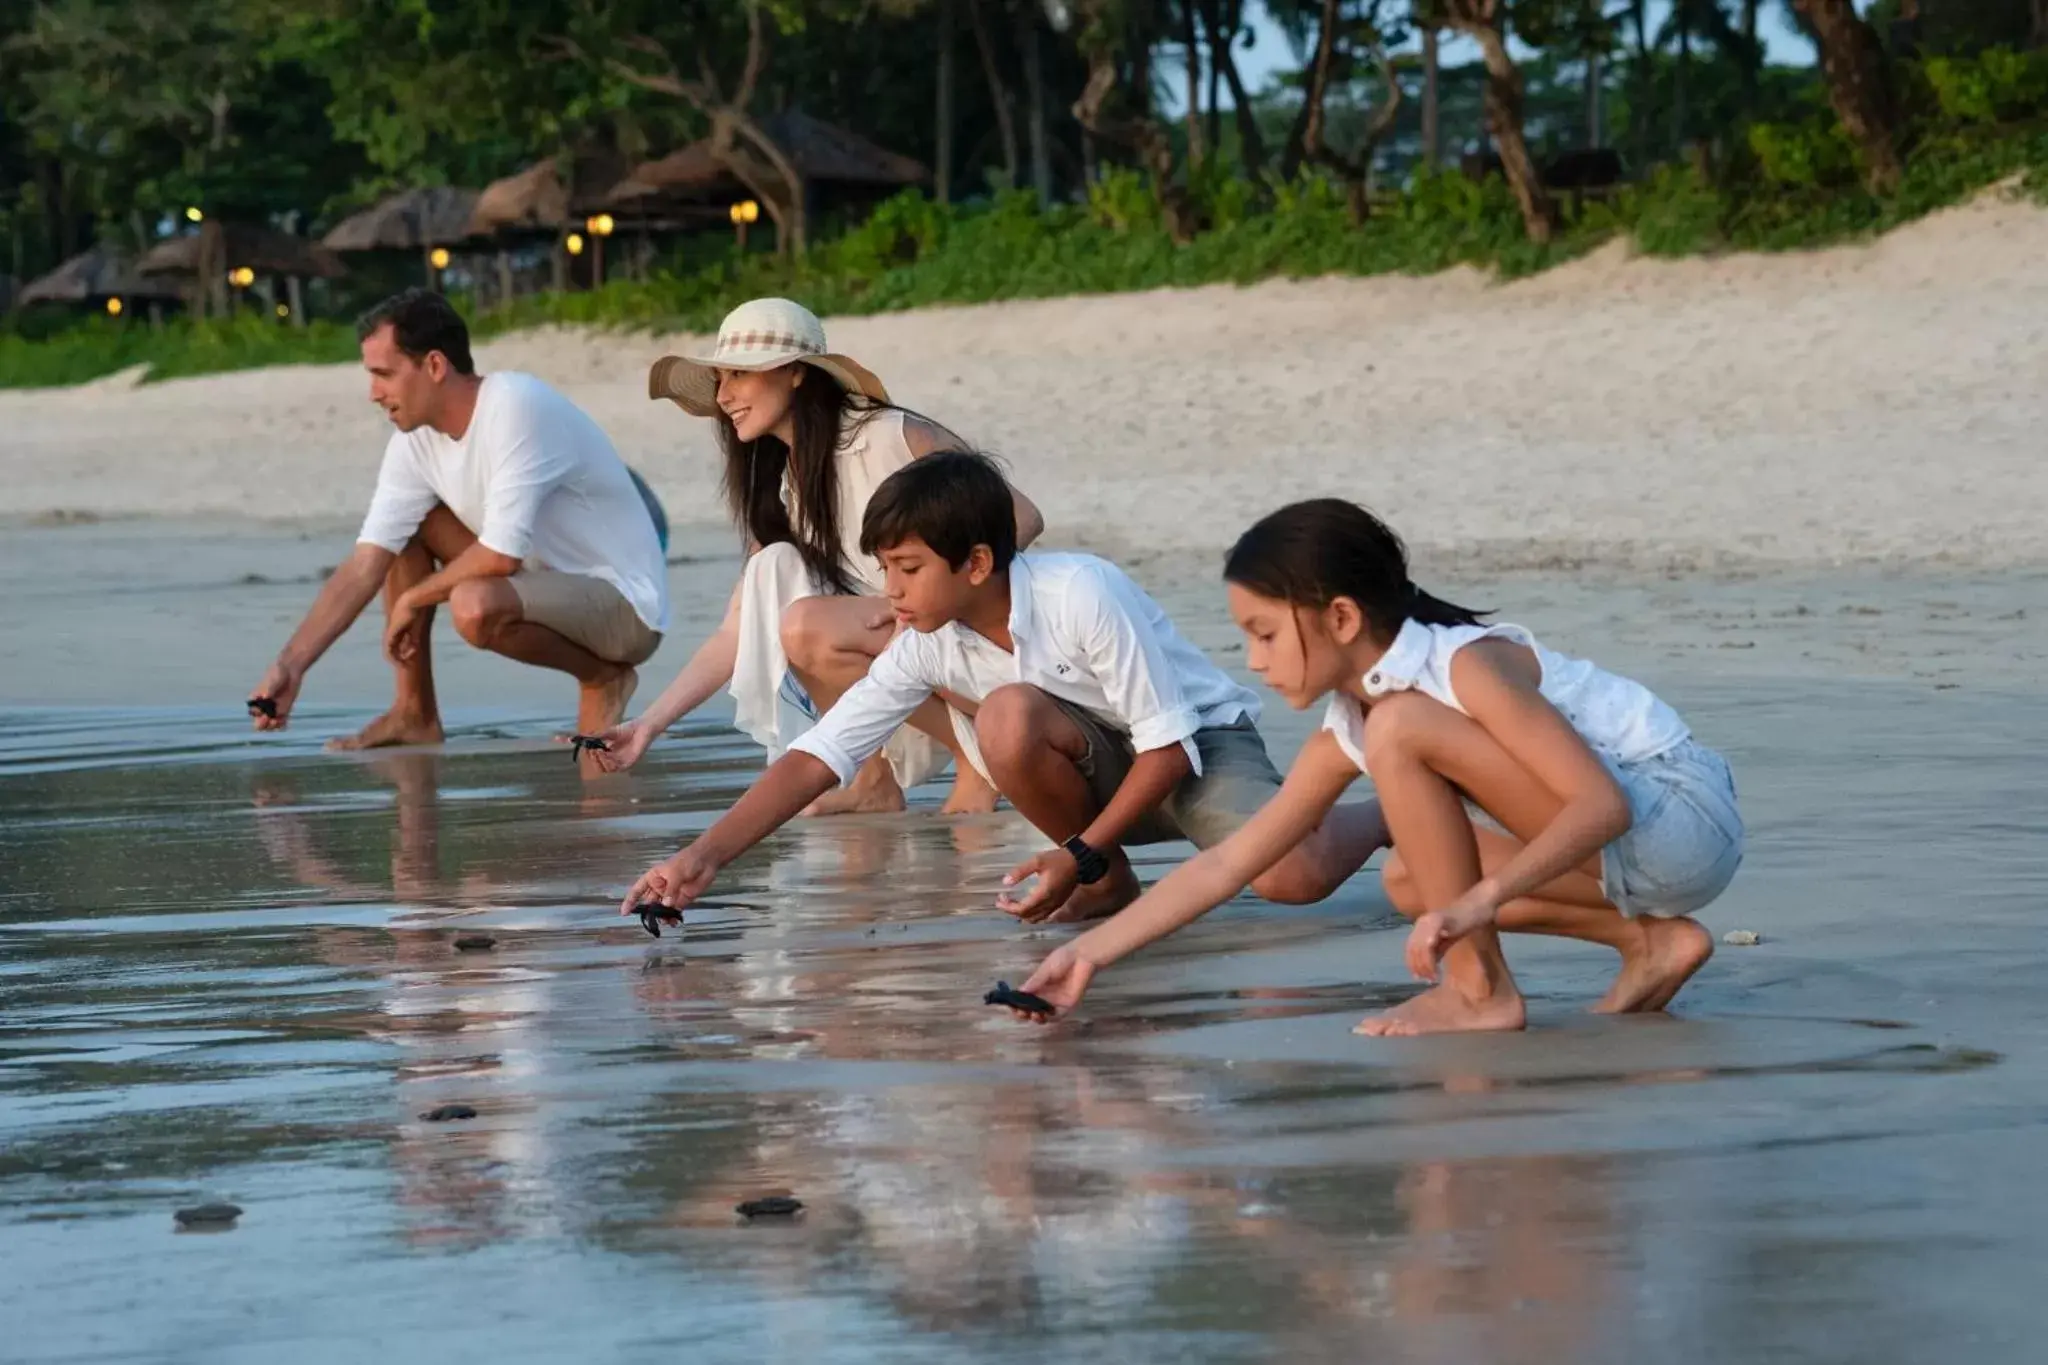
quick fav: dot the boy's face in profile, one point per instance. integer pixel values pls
(926, 592)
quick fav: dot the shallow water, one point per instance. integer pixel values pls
(227, 972)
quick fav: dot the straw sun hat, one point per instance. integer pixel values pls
(763, 334)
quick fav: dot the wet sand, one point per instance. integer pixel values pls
(227, 972)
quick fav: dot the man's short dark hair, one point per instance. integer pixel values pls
(421, 321)
(952, 500)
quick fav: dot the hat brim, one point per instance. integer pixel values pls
(691, 383)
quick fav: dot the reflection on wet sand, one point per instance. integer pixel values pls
(237, 979)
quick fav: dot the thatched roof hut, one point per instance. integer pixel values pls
(547, 195)
(430, 216)
(101, 272)
(822, 153)
(263, 249)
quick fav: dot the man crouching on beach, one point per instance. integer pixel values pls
(1090, 712)
(501, 498)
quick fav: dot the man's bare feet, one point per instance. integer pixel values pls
(873, 791)
(971, 794)
(1670, 951)
(1445, 1009)
(600, 706)
(1101, 900)
(393, 728)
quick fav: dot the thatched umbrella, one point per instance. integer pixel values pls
(424, 220)
(548, 197)
(208, 256)
(821, 152)
(94, 276)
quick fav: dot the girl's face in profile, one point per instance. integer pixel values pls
(757, 401)
(1292, 649)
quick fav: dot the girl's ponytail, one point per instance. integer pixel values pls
(1312, 553)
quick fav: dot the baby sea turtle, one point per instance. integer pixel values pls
(653, 914)
(1010, 997)
(475, 943)
(449, 1111)
(263, 706)
(771, 1206)
(207, 1215)
(578, 743)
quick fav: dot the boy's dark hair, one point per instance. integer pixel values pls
(952, 500)
(421, 321)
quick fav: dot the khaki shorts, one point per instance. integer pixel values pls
(1237, 778)
(587, 610)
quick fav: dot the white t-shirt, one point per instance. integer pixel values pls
(1084, 632)
(533, 478)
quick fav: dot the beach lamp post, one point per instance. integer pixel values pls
(599, 226)
(113, 308)
(437, 261)
(743, 213)
(194, 214)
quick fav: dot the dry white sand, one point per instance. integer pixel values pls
(1870, 403)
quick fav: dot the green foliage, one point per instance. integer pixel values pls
(102, 346)
(1808, 155)
(1997, 87)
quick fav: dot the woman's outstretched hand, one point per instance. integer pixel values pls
(1061, 980)
(624, 743)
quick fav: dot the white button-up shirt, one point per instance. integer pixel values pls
(1084, 632)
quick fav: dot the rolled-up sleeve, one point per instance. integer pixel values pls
(1139, 680)
(401, 502)
(860, 723)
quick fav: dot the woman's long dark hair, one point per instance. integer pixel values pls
(1309, 554)
(822, 417)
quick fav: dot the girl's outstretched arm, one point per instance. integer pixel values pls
(1319, 776)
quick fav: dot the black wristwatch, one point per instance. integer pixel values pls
(1089, 866)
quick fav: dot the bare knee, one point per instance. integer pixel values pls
(1399, 884)
(1397, 727)
(806, 636)
(480, 608)
(1291, 881)
(1010, 724)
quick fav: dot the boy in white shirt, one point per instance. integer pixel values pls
(503, 499)
(1089, 711)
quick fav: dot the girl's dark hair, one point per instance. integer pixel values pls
(822, 417)
(1309, 554)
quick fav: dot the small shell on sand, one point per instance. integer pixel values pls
(1742, 938)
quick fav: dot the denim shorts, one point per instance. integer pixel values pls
(1237, 778)
(1685, 843)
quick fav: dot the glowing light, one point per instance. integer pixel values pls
(241, 277)
(439, 256)
(194, 214)
(601, 225)
(113, 308)
(283, 311)
(746, 211)
(575, 244)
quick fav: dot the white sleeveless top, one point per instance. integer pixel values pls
(1620, 719)
(871, 448)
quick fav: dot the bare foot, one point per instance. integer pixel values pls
(971, 794)
(873, 792)
(600, 706)
(1444, 1009)
(1101, 900)
(392, 728)
(1651, 974)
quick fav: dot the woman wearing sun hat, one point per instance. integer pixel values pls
(807, 435)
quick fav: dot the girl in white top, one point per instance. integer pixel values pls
(1614, 826)
(807, 436)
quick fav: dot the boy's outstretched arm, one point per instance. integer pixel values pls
(791, 783)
